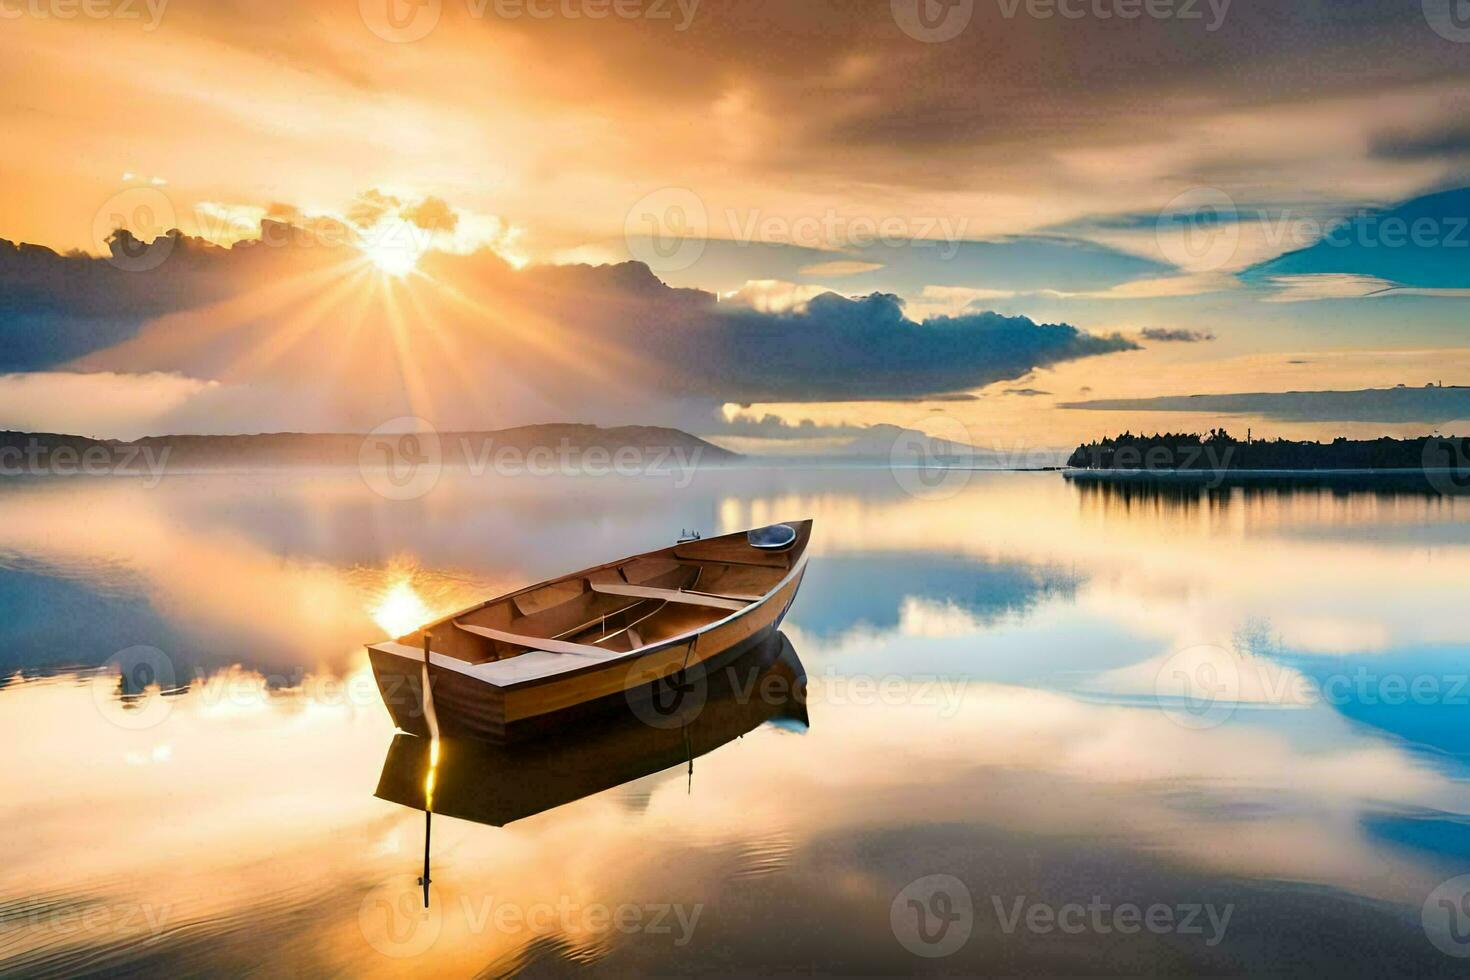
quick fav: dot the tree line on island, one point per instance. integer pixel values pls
(1218, 450)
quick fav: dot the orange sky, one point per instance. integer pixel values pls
(553, 138)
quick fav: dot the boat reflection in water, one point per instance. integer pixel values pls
(496, 784)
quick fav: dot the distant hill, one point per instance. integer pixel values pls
(530, 447)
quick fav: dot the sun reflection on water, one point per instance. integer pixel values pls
(400, 609)
(401, 596)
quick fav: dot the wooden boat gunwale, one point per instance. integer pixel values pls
(467, 669)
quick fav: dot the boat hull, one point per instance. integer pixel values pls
(493, 784)
(459, 705)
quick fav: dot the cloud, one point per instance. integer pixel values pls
(938, 300)
(1017, 124)
(1420, 243)
(1442, 138)
(1166, 335)
(773, 295)
(1188, 284)
(1332, 285)
(771, 426)
(772, 435)
(943, 266)
(102, 405)
(840, 268)
(864, 348)
(432, 214)
(306, 331)
(1429, 405)
(57, 307)
(1326, 285)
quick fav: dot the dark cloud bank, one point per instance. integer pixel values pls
(1166, 335)
(1428, 405)
(185, 316)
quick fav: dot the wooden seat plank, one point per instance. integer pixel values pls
(670, 595)
(539, 643)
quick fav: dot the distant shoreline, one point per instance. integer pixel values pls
(551, 448)
(1440, 480)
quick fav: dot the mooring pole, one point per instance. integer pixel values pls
(428, 826)
(432, 722)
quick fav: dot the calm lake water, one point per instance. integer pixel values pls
(1044, 729)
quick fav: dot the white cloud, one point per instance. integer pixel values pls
(103, 405)
(1326, 285)
(774, 295)
(840, 268)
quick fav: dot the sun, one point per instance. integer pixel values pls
(394, 246)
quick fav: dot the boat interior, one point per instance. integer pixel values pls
(614, 609)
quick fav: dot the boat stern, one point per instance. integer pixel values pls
(400, 680)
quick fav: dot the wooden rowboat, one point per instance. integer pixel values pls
(600, 639)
